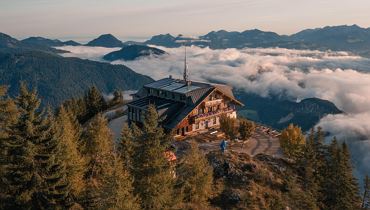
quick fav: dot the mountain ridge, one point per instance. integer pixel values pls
(105, 40)
(57, 78)
(133, 52)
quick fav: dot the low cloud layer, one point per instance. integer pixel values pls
(339, 77)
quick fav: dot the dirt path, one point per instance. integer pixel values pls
(261, 142)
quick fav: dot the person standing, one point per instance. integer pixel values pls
(223, 146)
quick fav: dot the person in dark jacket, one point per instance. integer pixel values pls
(223, 146)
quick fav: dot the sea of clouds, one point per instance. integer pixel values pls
(339, 77)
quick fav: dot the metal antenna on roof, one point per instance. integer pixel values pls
(186, 73)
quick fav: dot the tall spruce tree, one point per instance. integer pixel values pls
(106, 181)
(20, 173)
(127, 146)
(340, 189)
(153, 175)
(94, 101)
(292, 141)
(53, 190)
(8, 116)
(246, 129)
(366, 194)
(308, 165)
(350, 188)
(195, 177)
(34, 175)
(70, 135)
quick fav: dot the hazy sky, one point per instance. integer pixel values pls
(81, 19)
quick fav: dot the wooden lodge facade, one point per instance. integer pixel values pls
(184, 106)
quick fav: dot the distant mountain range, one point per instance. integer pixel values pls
(49, 42)
(106, 40)
(133, 52)
(57, 78)
(10, 44)
(337, 38)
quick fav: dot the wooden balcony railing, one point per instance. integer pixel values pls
(213, 113)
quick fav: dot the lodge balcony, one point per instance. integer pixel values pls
(212, 114)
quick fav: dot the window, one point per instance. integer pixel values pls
(197, 126)
(200, 111)
(214, 120)
(183, 97)
(173, 95)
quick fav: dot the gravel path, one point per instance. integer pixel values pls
(261, 142)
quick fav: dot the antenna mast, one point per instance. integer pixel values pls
(186, 73)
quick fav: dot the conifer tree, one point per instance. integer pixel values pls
(34, 175)
(70, 135)
(136, 131)
(104, 185)
(8, 116)
(153, 175)
(53, 190)
(366, 194)
(308, 164)
(246, 129)
(228, 126)
(339, 186)
(292, 141)
(94, 101)
(20, 173)
(350, 188)
(195, 177)
(127, 146)
(120, 187)
(8, 110)
(117, 98)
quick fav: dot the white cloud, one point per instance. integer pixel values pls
(87, 52)
(339, 77)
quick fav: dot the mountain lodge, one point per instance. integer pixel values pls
(184, 106)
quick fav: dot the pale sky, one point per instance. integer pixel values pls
(129, 19)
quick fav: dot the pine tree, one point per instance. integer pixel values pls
(228, 126)
(20, 172)
(153, 175)
(246, 129)
(104, 182)
(8, 116)
(292, 141)
(117, 98)
(136, 131)
(340, 187)
(127, 147)
(53, 190)
(366, 194)
(34, 175)
(308, 165)
(120, 187)
(70, 135)
(350, 188)
(94, 101)
(195, 177)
